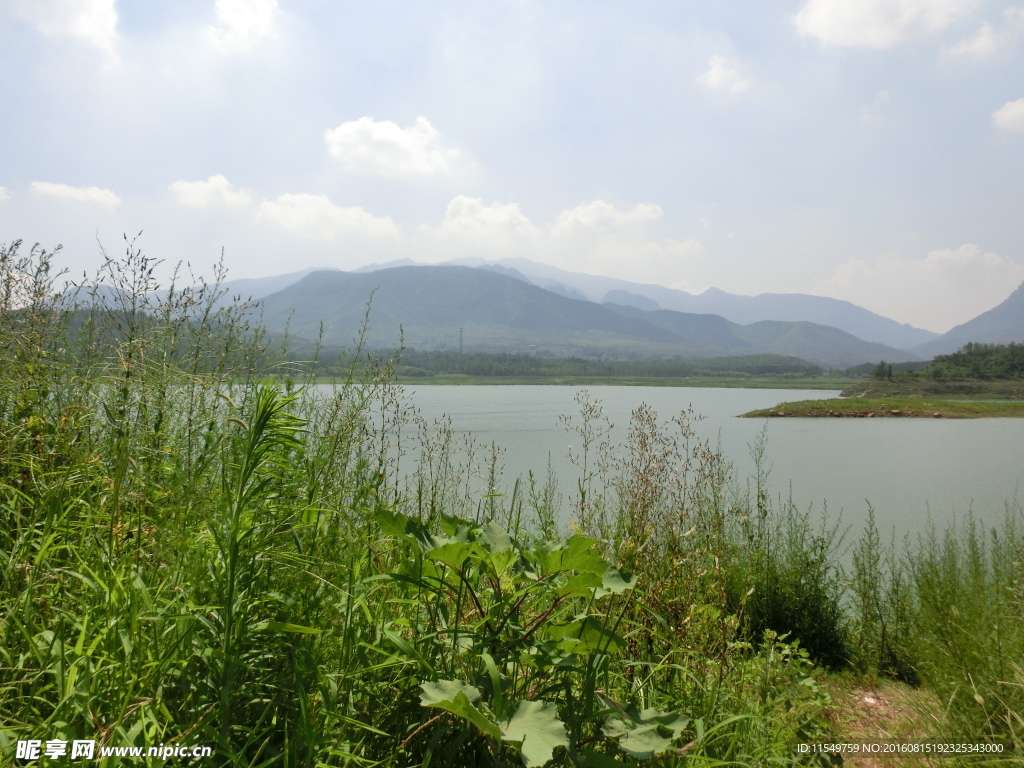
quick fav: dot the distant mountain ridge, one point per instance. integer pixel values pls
(791, 307)
(1000, 325)
(498, 311)
(823, 310)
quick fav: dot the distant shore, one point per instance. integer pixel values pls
(969, 389)
(626, 381)
(893, 408)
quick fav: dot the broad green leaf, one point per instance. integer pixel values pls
(454, 553)
(579, 554)
(392, 523)
(494, 537)
(536, 728)
(644, 734)
(397, 524)
(579, 584)
(586, 635)
(645, 741)
(458, 698)
(671, 720)
(615, 582)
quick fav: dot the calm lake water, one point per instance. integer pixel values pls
(906, 468)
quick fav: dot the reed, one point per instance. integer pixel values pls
(198, 549)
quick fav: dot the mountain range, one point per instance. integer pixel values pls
(823, 310)
(441, 307)
(1000, 325)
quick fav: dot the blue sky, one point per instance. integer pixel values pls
(871, 151)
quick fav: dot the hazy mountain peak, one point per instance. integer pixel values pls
(1000, 325)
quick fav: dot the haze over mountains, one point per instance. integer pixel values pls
(522, 305)
(500, 312)
(1000, 325)
(836, 313)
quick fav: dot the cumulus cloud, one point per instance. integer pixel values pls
(944, 289)
(1010, 115)
(315, 217)
(93, 195)
(91, 21)
(595, 237)
(216, 190)
(598, 214)
(981, 44)
(876, 23)
(724, 75)
(472, 228)
(469, 216)
(384, 149)
(988, 39)
(599, 238)
(4, 195)
(241, 24)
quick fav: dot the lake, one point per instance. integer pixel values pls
(906, 468)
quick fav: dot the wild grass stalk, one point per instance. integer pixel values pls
(198, 550)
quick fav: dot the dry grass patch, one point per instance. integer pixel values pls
(881, 710)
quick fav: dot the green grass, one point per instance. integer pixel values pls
(969, 389)
(196, 549)
(892, 407)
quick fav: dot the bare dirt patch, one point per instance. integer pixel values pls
(882, 711)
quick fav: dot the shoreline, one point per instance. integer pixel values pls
(454, 379)
(891, 408)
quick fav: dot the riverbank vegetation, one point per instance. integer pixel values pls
(199, 547)
(975, 371)
(450, 367)
(893, 407)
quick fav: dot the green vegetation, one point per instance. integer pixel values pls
(461, 308)
(449, 367)
(199, 550)
(735, 381)
(893, 407)
(975, 370)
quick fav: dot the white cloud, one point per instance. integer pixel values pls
(315, 217)
(93, 195)
(241, 24)
(876, 23)
(91, 21)
(469, 216)
(599, 214)
(4, 195)
(988, 39)
(216, 190)
(384, 149)
(598, 238)
(471, 228)
(981, 44)
(944, 289)
(1010, 115)
(724, 75)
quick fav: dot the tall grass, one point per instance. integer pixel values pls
(198, 550)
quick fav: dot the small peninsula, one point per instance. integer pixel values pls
(977, 381)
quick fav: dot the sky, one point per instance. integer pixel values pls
(869, 151)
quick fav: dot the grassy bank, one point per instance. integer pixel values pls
(963, 389)
(892, 407)
(200, 549)
(976, 371)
